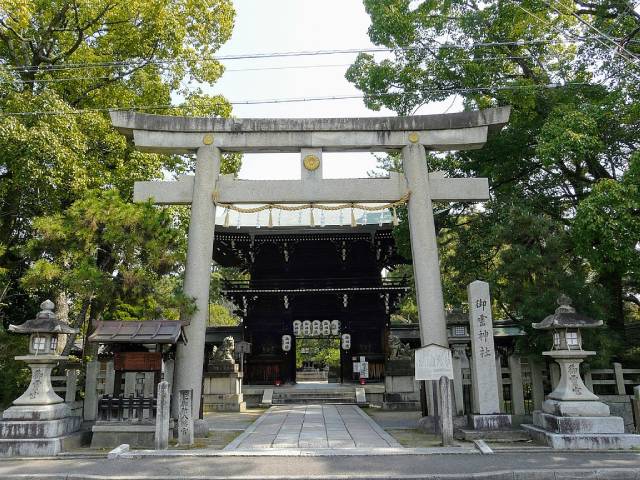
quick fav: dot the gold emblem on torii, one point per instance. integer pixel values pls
(311, 162)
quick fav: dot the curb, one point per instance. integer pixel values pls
(567, 474)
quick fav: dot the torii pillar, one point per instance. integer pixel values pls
(208, 137)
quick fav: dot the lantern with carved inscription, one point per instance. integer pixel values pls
(43, 341)
(565, 325)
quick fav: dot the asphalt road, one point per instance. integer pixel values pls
(513, 466)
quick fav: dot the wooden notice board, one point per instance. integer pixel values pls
(138, 361)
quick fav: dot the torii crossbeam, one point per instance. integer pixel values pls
(209, 137)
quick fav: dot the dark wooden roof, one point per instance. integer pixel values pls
(150, 331)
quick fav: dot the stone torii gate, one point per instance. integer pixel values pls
(209, 137)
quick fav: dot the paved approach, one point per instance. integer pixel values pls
(507, 466)
(313, 426)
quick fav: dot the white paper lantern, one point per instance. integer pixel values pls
(335, 327)
(297, 327)
(346, 341)
(326, 327)
(315, 328)
(286, 343)
(306, 327)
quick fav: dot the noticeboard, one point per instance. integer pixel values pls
(138, 361)
(432, 362)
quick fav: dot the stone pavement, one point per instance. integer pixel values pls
(505, 466)
(313, 426)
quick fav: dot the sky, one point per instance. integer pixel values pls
(267, 26)
(298, 25)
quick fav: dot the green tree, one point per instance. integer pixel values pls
(62, 64)
(118, 260)
(575, 122)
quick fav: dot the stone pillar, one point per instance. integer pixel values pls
(635, 402)
(162, 417)
(588, 378)
(459, 355)
(71, 385)
(446, 417)
(190, 357)
(617, 371)
(554, 373)
(167, 374)
(109, 379)
(517, 391)
(499, 382)
(424, 248)
(537, 382)
(130, 383)
(148, 384)
(484, 374)
(90, 391)
(185, 417)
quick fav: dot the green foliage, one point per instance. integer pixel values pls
(563, 212)
(14, 375)
(221, 316)
(76, 58)
(118, 260)
(607, 225)
(323, 351)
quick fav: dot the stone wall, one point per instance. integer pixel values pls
(621, 406)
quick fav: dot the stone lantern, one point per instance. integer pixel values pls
(573, 417)
(567, 351)
(39, 419)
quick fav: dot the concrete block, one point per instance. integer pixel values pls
(500, 421)
(200, 428)
(118, 451)
(576, 425)
(575, 408)
(20, 429)
(112, 435)
(37, 412)
(584, 441)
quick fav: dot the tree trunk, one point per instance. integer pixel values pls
(80, 320)
(62, 311)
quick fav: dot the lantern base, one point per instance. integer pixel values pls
(575, 408)
(37, 412)
(37, 430)
(581, 433)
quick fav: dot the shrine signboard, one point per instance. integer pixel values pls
(138, 361)
(432, 362)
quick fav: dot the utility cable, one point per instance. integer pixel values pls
(297, 100)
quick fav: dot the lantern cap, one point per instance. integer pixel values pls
(566, 316)
(45, 322)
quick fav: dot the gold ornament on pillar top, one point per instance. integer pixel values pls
(207, 139)
(311, 162)
(414, 137)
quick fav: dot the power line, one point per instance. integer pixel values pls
(597, 38)
(451, 91)
(253, 69)
(631, 62)
(253, 56)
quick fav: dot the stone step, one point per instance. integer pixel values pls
(314, 400)
(510, 435)
(302, 397)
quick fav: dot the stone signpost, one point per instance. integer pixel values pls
(162, 417)
(484, 376)
(485, 383)
(185, 417)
